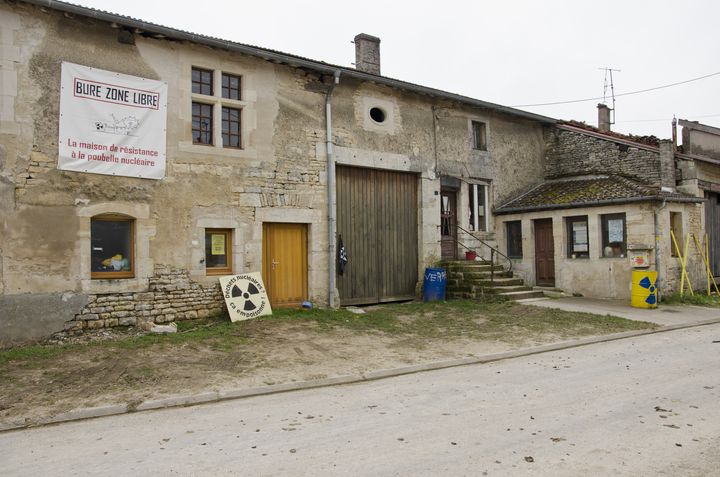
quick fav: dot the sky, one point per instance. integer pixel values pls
(512, 52)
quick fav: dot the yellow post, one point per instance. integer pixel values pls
(701, 251)
(683, 262)
(707, 264)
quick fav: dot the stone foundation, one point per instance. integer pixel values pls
(171, 296)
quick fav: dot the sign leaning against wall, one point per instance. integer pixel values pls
(111, 123)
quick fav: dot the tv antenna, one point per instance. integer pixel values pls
(609, 82)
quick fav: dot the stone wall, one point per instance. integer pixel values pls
(171, 296)
(572, 153)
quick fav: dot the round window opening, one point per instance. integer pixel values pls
(377, 115)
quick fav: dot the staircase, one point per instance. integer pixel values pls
(473, 279)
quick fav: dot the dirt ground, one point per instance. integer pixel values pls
(122, 366)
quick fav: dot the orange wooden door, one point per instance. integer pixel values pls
(285, 263)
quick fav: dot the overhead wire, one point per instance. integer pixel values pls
(665, 119)
(619, 94)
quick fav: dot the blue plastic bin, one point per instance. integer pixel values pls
(434, 284)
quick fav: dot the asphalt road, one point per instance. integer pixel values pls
(643, 406)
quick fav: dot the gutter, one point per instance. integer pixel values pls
(277, 57)
(332, 205)
(597, 203)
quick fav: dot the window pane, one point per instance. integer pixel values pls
(111, 246)
(231, 127)
(479, 136)
(613, 235)
(577, 235)
(230, 86)
(218, 251)
(477, 190)
(202, 81)
(202, 123)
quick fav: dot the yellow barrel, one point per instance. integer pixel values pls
(644, 289)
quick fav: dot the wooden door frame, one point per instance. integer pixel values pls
(266, 258)
(545, 221)
(451, 192)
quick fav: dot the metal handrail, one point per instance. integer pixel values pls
(493, 250)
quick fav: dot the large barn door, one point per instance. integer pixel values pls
(712, 228)
(377, 220)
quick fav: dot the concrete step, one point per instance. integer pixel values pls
(496, 282)
(522, 295)
(508, 289)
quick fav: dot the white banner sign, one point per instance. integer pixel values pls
(245, 296)
(111, 123)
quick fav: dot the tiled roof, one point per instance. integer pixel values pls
(588, 192)
(646, 140)
(159, 31)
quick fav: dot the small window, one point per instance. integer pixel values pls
(202, 123)
(676, 228)
(377, 115)
(577, 237)
(231, 127)
(218, 251)
(513, 232)
(202, 81)
(479, 136)
(112, 244)
(230, 86)
(614, 235)
(478, 209)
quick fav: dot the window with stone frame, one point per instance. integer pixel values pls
(217, 108)
(112, 246)
(614, 235)
(513, 234)
(479, 135)
(218, 251)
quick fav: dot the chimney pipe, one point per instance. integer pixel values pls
(367, 53)
(603, 117)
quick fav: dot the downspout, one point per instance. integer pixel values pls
(658, 248)
(331, 190)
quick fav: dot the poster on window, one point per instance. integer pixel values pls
(580, 236)
(615, 230)
(111, 123)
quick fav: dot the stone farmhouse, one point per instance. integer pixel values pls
(268, 162)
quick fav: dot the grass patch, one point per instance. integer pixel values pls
(32, 353)
(687, 299)
(414, 322)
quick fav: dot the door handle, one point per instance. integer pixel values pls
(274, 264)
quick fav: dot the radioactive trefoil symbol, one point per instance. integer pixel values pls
(651, 287)
(252, 296)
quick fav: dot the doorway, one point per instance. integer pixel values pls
(544, 253)
(377, 217)
(448, 224)
(285, 269)
(712, 229)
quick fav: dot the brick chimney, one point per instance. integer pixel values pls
(603, 117)
(367, 53)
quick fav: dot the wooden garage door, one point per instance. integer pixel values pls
(377, 219)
